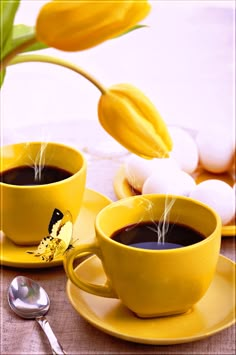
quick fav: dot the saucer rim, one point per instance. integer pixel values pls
(123, 189)
(38, 263)
(101, 325)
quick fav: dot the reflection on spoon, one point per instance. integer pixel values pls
(30, 301)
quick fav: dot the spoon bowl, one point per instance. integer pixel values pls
(30, 301)
(27, 299)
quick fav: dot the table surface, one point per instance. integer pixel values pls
(104, 157)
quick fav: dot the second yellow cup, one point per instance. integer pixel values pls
(159, 253)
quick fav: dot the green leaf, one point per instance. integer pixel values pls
(35, 47)
(21, 34)
(2, 76)
(8, 9)
(136, 27)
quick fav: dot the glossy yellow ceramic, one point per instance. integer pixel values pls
(123, 189)
(13, 255)
(26, 210)
(212, 314)
(152, 282)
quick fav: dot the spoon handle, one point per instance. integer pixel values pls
(55, 345)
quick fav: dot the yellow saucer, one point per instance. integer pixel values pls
(16, 256)
(123, 189)
(215, 311)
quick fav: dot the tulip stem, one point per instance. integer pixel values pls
(47, 59)
(5, 61)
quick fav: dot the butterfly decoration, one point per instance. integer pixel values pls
(59, 239)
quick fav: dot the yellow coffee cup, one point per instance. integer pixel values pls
(152, 282)
(26, 210)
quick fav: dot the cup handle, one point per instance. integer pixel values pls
(80, 251)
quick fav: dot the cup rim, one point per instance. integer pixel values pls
(162, 251)
(83, 166)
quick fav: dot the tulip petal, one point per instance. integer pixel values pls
(79, 25)
(146, 109)
(120, 117)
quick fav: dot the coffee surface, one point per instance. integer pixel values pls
(33, 175)
(156, 235)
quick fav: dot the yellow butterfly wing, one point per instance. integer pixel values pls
(54, 245)
(64, 234)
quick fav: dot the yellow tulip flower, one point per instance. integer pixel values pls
(132, 119)
(79, 25)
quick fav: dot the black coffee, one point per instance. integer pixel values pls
(33, 175)
(147, 235)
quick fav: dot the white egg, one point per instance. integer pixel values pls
(137, 169)
(185, 150)
(166, 164)
(188, 183)
(216, 148)
(218, 195)
(178, 183)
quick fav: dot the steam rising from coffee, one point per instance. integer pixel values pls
(162, 225)
(37, 170)
(162, 231)
(39, 162)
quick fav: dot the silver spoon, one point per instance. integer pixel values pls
(30, 301)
